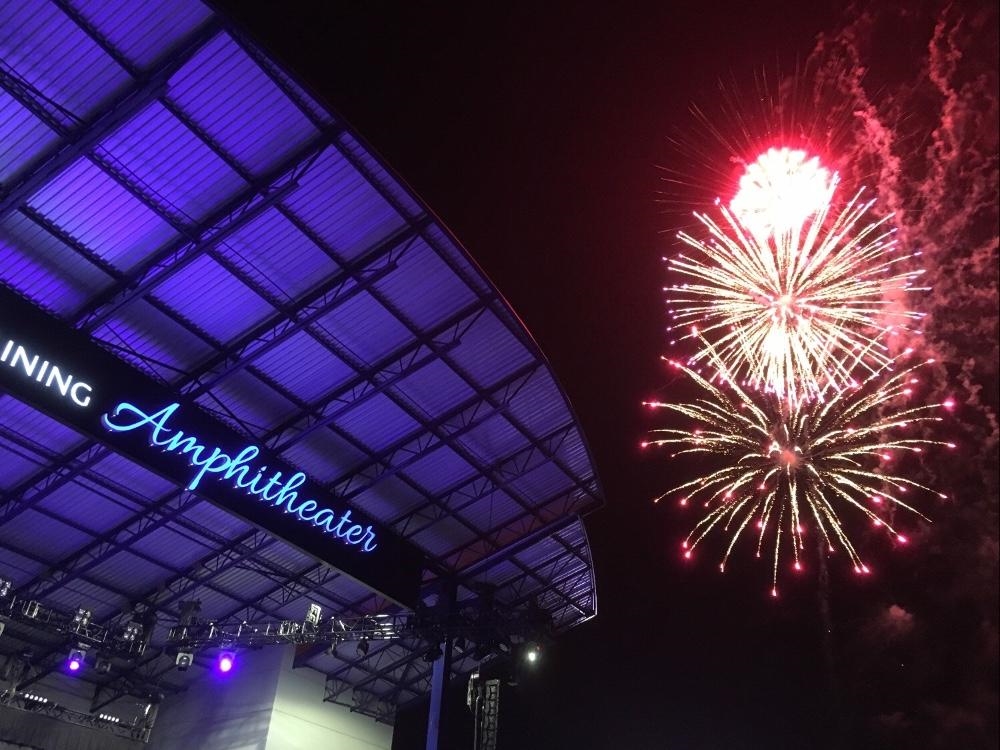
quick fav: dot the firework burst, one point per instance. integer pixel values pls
(782, 467)
(794, 299)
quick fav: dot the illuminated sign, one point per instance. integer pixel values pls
(45, 373)
(63, 373)
(275, 490)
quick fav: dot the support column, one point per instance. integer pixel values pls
(442, 666)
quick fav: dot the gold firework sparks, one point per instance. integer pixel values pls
(794, 300)
(780, 467)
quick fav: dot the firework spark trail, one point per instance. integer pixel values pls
(797, 301)
(785, 464)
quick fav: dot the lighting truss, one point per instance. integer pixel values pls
(137, 729)
(492, 631)
(36, 616)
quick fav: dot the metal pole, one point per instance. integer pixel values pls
(439, 681)
(442, 666)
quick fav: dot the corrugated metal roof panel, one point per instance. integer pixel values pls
(80, 593)
(214, 605)
(459, 260)
(143, 32)
(18, 464)
(377, 422)
(423, 288)
(252, 402)
(494, 510)
(324, 455)
(44, 269)
(542, 483)
(128, 474)
(365, 328)
(494, 437)
(540, 405)
(439, 469)
(388, 499)
(166, 544)
(229, 97)
(213, 299)
(434, 388)
(291, 262)
(443, 536)
(87, 506)
(342, 208)
(27, 530)
(316, 111)
(372, 167)
(489, 352)
(23, 419)
(217, 520)
(159, 345)
(24, 137)
(181, 173)
(89, 205)
(57, 58)
(128, 573)
(19, 569)
(305, 366)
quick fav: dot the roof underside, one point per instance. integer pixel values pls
(173, 193)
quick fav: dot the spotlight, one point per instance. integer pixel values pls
(76, 659)
(363, 647)
(183, 660)
(226, 661)
(132, 631)
(82, 617)
(313, 614)
(532, 653)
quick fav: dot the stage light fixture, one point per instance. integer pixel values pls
(76, 659)
(102, 665)
(313, 614)
(5, 586)
(226, 661)
(363, 647)
(532, 653)
(82, 618)
(132, 631)
(183, 660)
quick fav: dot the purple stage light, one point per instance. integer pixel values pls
(74, 665)
(225, 662)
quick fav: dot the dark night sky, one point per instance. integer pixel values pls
(537, 135)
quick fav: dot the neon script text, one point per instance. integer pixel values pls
(236, 470)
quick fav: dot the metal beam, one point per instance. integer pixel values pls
(78, 143)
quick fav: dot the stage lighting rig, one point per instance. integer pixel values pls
(313, 615)
(77, 658)
(226, 661)
(81, 619)
(183, 660)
